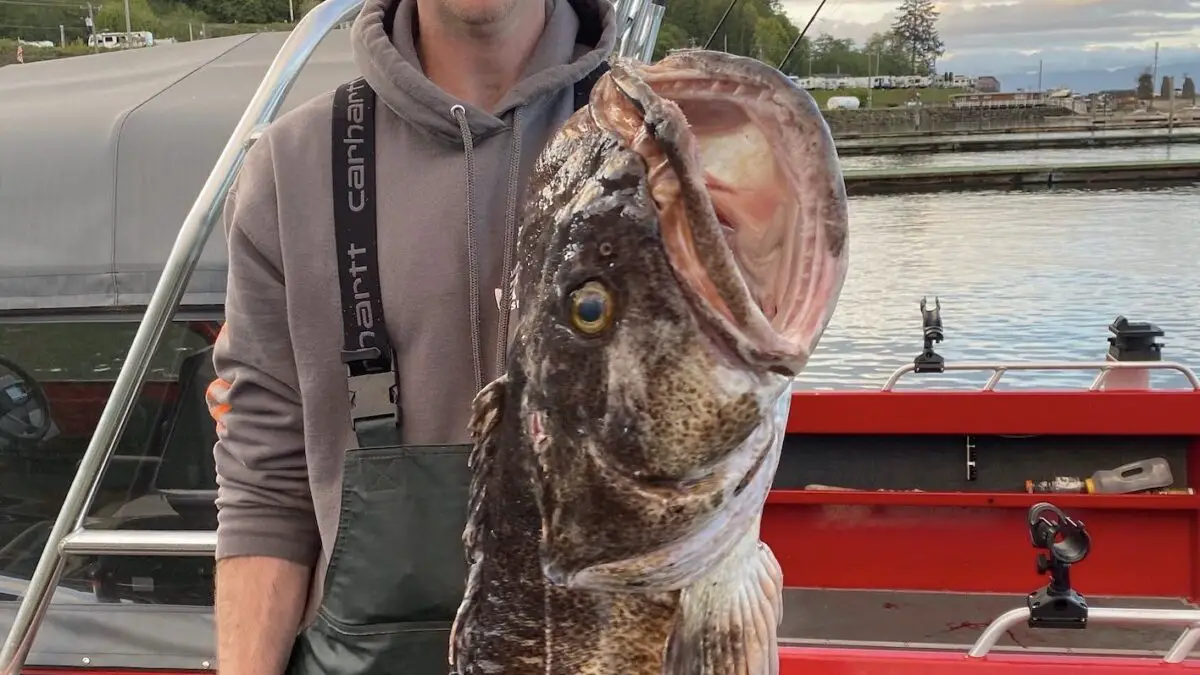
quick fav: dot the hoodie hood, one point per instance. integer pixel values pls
(578, 36)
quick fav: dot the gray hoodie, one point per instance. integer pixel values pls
(280, 401)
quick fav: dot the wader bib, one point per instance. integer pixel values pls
(397, 571)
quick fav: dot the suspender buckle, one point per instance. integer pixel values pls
(374, 387)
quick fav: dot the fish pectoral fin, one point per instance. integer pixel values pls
(487, 407)
(728, 623)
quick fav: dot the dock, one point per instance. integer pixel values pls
(959, 143)
(1097, 125)
(1023, 176)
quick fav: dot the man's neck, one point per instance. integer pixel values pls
(474, 63)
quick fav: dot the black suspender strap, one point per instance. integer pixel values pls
(366, 349)
(583, 88)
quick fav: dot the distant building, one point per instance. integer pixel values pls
(987, 84)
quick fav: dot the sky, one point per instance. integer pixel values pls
(1000, 36)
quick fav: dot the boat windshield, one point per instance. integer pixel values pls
(160, 476)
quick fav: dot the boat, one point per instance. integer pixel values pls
(909, 540)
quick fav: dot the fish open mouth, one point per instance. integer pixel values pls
(749, 191)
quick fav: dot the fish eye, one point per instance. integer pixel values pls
(591, 308)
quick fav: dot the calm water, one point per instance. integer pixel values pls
(1022, 276)
(1047, 156)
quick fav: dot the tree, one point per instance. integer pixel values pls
(1189, 89)
(916, 29)
(1145, 86)
(1165, 90)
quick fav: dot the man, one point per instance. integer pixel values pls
(348, 562)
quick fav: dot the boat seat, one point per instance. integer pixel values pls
(186, 476)
(182, 497)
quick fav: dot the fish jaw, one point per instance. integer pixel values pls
(750, 195)
(740, 485)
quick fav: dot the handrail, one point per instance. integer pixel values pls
(1105, 367)
(1119, 615)
(638, 22)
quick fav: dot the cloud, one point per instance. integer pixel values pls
(1017, 30)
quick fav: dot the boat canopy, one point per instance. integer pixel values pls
(102, 156)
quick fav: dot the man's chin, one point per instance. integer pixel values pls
(479, 12)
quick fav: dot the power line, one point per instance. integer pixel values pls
(44, 3)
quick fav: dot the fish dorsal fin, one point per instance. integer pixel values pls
(728, 623)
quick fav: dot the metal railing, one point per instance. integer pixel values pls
(998, 370)
(638, 22)
(1109, 615)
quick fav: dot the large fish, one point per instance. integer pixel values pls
(682, 248)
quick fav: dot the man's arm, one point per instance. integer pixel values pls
(267, 538)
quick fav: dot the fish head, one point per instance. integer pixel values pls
(681, 252)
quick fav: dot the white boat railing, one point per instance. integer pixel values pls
(1109, 615)
(637, 21)
(998, 370)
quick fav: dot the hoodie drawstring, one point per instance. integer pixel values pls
(459, 113)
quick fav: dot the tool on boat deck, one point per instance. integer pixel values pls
(1143, 475)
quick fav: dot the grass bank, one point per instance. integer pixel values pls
(8, 52)
(171, 27)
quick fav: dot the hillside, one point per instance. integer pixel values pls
(1096, 79)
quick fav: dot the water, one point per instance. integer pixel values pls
(1051, 156)
(1022, 276)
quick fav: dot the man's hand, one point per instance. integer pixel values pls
(259, 605)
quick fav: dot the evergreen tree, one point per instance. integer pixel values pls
(1189, 89)
(916, 29)
(1165, 90)
(1145, 86)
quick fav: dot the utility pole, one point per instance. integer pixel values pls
(871, 78)
(128, 27)
(1171, 109)
(1154, 76)
(291, 11)
(62, 36)
(91, 24)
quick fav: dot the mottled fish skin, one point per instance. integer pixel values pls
(622, 462)
(513, 621)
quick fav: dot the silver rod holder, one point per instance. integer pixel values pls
(189, 243)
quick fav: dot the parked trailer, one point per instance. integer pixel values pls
(842, 103)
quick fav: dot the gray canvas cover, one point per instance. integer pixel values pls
(102, 156)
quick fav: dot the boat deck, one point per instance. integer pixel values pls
(926, 620)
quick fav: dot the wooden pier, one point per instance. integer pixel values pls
(960, 143)
(1085, 128)
(1022, 176)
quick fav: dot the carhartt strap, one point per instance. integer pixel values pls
(366, 349)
